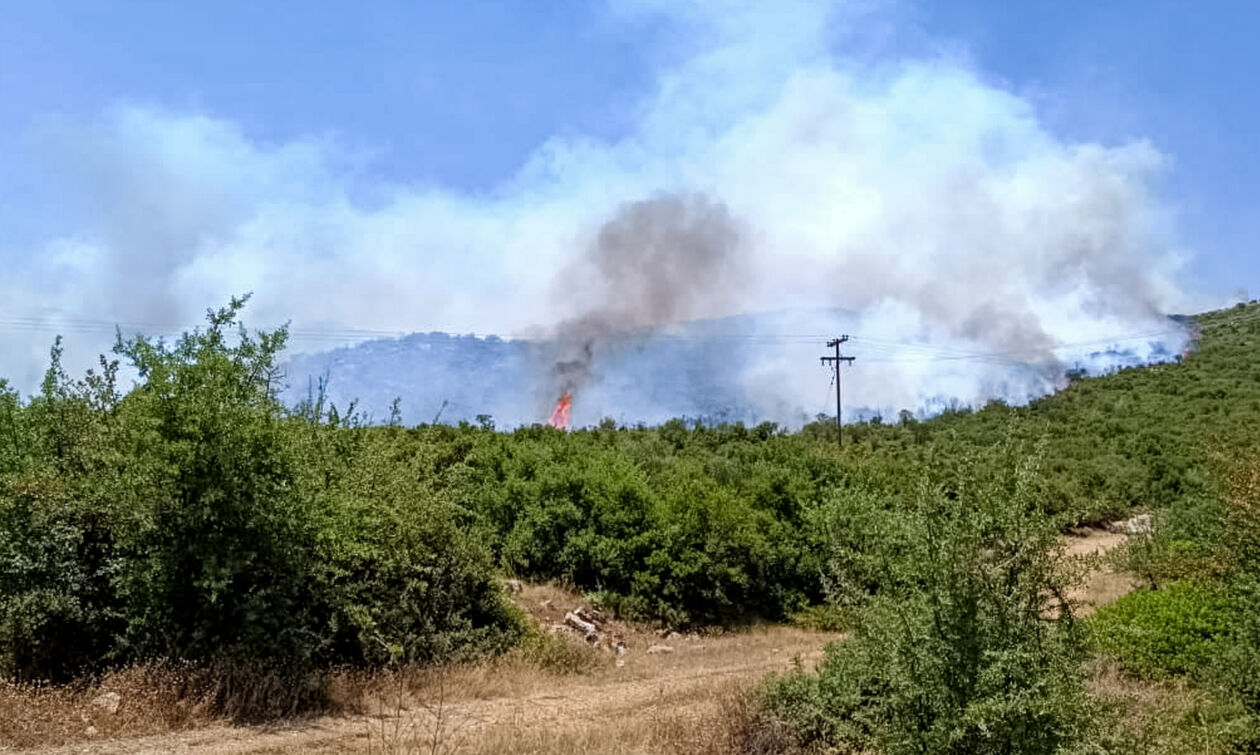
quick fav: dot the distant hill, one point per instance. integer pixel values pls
(648, 376)
(717, 370)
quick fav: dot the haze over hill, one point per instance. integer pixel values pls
(747, 368)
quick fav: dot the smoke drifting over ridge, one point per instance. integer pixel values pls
(658, 261)
(973, 253)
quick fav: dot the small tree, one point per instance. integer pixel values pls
(965, 645)
(220, 541)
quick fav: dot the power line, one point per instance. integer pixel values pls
(836, 360)
(882, 350)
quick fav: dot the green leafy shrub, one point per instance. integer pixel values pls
(196, 518)
(953, 651)
(1187, 541)
(1173, 630)
(401, 580)
(58, 611)
(218, 558)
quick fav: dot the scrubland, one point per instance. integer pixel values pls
(246, 576)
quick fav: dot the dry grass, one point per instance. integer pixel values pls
(717, 718)
(554, 695)
(1166, 718)
(151, 700)
(714, 717)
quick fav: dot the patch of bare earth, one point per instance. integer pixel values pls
(663, 693)
(1102, 581)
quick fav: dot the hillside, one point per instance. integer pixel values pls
(746, 368)
(1140, 436)
(195, 518)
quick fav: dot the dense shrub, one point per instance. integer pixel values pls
(1155, 633)
(196, 518)
(59, 613)
(400, 577)
(218, 556)
(952, 650)
(707, 528)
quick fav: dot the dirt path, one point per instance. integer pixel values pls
(651, 703)
(641, 702)
(1103, 583)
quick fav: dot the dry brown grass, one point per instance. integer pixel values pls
(151, 700)
(555, 694)
(1168, 717)
(717, 718)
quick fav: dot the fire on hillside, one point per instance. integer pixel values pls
(560, 415)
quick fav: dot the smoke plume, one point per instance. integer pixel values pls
(971, 252)
(668, 259)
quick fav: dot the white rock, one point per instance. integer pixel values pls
(659, 649)
(577, 622)
(1139, 525)
(109, 702)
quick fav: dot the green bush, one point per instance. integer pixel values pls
(1155, 633)
(218, 557)
(699, 529)
(196, 518)
(952, 652)
(59, 614)
(398, 577)
(1187, 542)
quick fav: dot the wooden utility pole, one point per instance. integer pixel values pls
(836, 360)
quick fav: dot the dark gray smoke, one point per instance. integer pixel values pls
(662, 260)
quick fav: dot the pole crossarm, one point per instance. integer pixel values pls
(835, 361)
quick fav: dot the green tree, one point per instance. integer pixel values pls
(964, 645)
(218, 544)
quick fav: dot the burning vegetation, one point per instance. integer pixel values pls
(560, 415)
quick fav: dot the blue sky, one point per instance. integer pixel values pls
(420, 165)
(461, 93)
(1179, 74)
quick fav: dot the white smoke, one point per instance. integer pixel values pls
(932, 205)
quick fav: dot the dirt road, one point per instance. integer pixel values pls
(666, 701)
(675, 700)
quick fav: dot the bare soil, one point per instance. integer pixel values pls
(1103, 582)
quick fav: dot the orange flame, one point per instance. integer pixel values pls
(560, 416)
